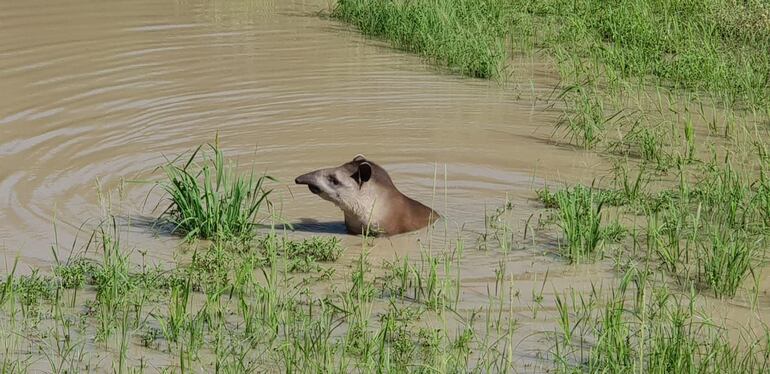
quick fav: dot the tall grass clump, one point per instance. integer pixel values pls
(580, 218)
(466, 35)
(210, 200)
(727, 261)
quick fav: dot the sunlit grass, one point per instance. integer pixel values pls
(469, 36)
(210, 200)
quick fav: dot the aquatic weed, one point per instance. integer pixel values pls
(580, 217)
(210, 200)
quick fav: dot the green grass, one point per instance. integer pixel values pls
(659, 332)
(210, 200)
(76, 274)
(30, 290)
(585, 118)
(704, 45)
(238, 307)
(468, 36)
(429, 282)
(645, 143)
(580, 218)
(608, 197)
(679, 91)
(324, 249)
(719, 47)
(727, 261)
(644, 69)
(709, 229)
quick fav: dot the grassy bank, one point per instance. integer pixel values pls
(469, 36)
(719, 47)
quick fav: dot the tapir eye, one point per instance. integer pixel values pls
(334, 180)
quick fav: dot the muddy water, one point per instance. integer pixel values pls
(94, 95)
(95, 91)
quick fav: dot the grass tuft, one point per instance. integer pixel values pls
(209, 200)
(727, 261)
(580, 218)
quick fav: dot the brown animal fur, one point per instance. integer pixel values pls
(368, 198)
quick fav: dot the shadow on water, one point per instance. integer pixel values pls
(309, 225)
(159, 228)
(148, 224)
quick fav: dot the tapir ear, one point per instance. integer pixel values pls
(365, 171)
(363, 174)
(359, 157)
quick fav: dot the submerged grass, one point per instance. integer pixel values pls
(711, 51)
(301, 255)
(710, 230)
(585, 118)
(251, 313)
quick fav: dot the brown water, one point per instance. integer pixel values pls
(96, 93)
(94, 90)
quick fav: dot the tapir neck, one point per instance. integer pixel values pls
(394, 214)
